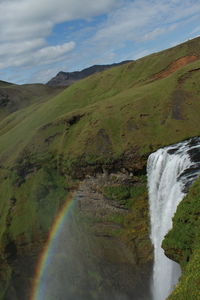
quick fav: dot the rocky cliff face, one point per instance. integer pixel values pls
(103, 247)
(112, 215)
(67, 78)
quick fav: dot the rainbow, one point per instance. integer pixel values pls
(38, 291)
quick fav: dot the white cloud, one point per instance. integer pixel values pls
(156, 32)
(52, 53)
(20, 47)
(24, 19)
(145, 19)
(26, 24)
(46, 55)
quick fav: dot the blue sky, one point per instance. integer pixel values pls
(39, 38)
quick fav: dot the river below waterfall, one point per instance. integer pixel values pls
(171, 170)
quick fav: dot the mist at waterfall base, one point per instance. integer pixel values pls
(75, 268)
(65, 276)
(171, 170)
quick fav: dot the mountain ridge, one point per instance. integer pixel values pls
(67, 78)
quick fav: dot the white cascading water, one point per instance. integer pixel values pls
(167, 179)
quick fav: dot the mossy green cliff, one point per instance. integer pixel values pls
(182, 244)
(104, 124)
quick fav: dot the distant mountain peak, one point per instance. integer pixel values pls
(67, 78)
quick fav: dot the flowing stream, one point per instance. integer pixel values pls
(171, 170)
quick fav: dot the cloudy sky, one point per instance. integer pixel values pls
(39, 38)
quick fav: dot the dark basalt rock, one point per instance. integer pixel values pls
(193, 141)
(129, 162)
(172, 151)
(74, 119)
(188, 177)
(193, 150)
(194, 154)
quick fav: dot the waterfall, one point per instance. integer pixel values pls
(171, 170)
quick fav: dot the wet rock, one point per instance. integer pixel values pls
(194, 154)
(172, 151)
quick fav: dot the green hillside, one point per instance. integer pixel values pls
(182, 244)
(108, 121)
(114, 106)
(14, 97)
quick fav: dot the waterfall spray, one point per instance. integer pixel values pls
(170, 171)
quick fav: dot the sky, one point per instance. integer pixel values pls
(39, 38)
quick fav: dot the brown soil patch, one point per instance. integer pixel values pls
(174, 66)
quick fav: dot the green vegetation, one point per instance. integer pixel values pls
(182, 244)
(14, 97)
(101, 117)
(118, 193)
(125, 194)
(111, 120)
(134, 230)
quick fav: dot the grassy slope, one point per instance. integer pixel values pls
(95, 120)
(14, 97)
(132, 109)
(182, 244)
